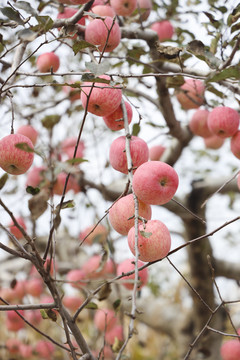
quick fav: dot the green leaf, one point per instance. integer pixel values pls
(232, 72)
(136, 129)
(31, 190)
(98, 69)
(50, 121)
(43, 314)
(92, 78)
(27, 35)
(3, 180)
(76, 161)
(104, 292)
(145, 234)
(91, 306)
(175, 81)
(80, 45)
(65, 205)
(25, 147)
(26, 7)
(116, 304)
(45, 22)
(12, 15)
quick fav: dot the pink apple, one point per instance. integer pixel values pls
(235, 144)
(68, 147)
(60, 183)
(199, 123)
(238, 184)
(15, 231)
(68, 13)
(114, 333)
(48, 62)
(117, 154)
(144, 8)
(98, 235)
(156, 152)
(102, 10)
(123, 7)
(223, 121)
(121, 214)
(26, 351)
(230, 350)
(72, 302)
(33, 316)
(29, 132)
(129, 265)
(13, 345)
(103, 100)
(191, 94)
(115, 121)
(104, 319)
(154, 241)
(100, 31)
(34, 286)
(95, 268)
(36, 178)
(75, 278)
(14, 160)
(155, 182)
(19, 290)
(213, 142)
(73, 93)
(7, 294)
(14, 322)
(164, 29)
(45, 349)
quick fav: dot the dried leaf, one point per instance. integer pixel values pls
(91, 306)
(3, 180)
(104, 292)
(169, 52)
(38, 204)
(145, 234)
(80, 45)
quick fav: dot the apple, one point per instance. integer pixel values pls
(191, 94)
(15, 231)
(34, 286)
(115, 332)
(68, 147)
(7, 294)
(75, 278)
(104, 99)
(115, 121)
(95, 268)
(144, 8)
(154, 240)
(68, 13)
(117, 154)
(35, 176)
(29, 132)
(73, 93)
(199, 123)
(223, 121)
(129, 265)
(98, 235)
(44, 349)
(156, 152)
(104, 319)
(238, 184)
(155, 182)
(14, 322)
(213, 142)
(235, 144)
(72, 302)
(123, 7)
(14, 160)
(48, 62)
(72, 184)
(19, 290)
(230, 350)
(13, 345)
(33, 316)
(101, 31)
(121, 214)
(102, 10)
(26, 351)
(164, 29)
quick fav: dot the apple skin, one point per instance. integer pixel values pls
(145, 7)
(35, 176)
(113, 121)
(117, 154)
(238, 184)
(45, 349)
(102, 10)
(33, 316)
(13, 160)
(29, 132)
(123, 7)
(34, 287)
(230, 350)
(164, 29)
(72, 184)
(76, 275)
(97, 31)
(213, 142)
(94, 269)
(156, 152)
(155, 244)
(12, 345)
(223, 121)
(129, 265)
(74, 94)
(199, 123)
(15, 231)
(26, 351)
(103, 99)
(68, 147)
(191, 94)
(72, 302)
(69, 12)
(104, 319)
(123, 209)
(99, 234)
(115, 332)
(155, 182)
(235, 144)
(47, 62)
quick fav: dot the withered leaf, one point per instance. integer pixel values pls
(169, 52)
(196, 47)
(104, 292)
(38, 204)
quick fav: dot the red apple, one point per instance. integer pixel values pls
(45, 349)
(102, 10)
(13, 345)
(191, 94)
(238, 181)
(223, 121)
(213, 142)
(29, 132)
(235, 144)
(104, 319)
(117, 154)
(123, 7)
(121, 214)
(26, 351)
(103, 100)
(75, 278)
(144, 8)
(98, 235)
(48, 62)
(230, 350)
(156, 152)
(33, 316)
(164, 29)
(68, 13)
(155, 182)
(94, 268)
(73, 93)
(15, 231)
(60, 183)
(68, 147)
(129, 265)
(35, 177)
(19, 290)
(72, 302)
(34, 286)
(14, 160)
(100, 31)
(199, 123)
(115, 121)
(114, 333)
(154, 240)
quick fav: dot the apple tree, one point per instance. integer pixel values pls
(119, 156)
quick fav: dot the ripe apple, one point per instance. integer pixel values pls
(45, 349)
(129, 265)
(35, 177)
(199, 123)
(144, 8)
(19, 290)
(26, 351)
(72, 184)
(102, 10)
(230, 350)
(99, 234)
(156, 152)
(223, 121)
(68, 13)
(34, 286)
(13, 345)
(104, 319)
(115, 121)
(154, 240)
(47, 62)
(164, 29)
(117, 153)
(95, 268)
(113, 333)
(191, 94)
(15, 231)
(14, 322)
(68, 147)
(235, 144)
(123, 8)
(75, 278)
(72, 302)
(121, 214)
(104, 99)
(73, 93)
(238, 184)
(101, 31)
(213, 142)
(33, 316)
(29, 132)
(155, 182)
(14, 160)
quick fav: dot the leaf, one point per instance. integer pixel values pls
(80, 45)
(27, 35)
(57, 221)
(76, 161)
(197, 48)
(104, 292)
(91, 78)
(232, 72)
(25, 147)
(145, 234)
(38, 204)
(116, 305)
(45, 22)
(136, 129)
(98, 69)
(31, 190)
(12, 15)
(50, 121)
(3, 180)
(26, 7)
(169, 52)
(213, 21)
(65, 205)
(175, 81)
(91, 306)
(43, 314)
(51, 314)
